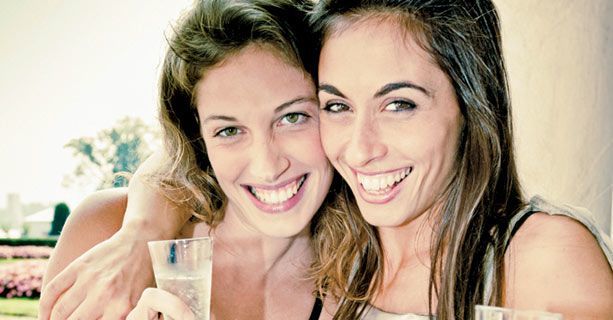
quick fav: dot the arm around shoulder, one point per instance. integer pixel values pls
(554, 263)
(96, 219)
(149, 211)
(107, 251)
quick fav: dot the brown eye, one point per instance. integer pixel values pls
(335, 107)
(399, 106)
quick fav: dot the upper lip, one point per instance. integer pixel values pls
(275, 186)
(371, 174)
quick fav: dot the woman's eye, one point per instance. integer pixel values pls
(335, 107)
(227, 132)
(398, 106)
(294, 118)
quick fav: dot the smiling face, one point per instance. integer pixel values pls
(259, 119)
(390, 121)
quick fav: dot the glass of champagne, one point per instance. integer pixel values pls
(183, 267)
(498, 313)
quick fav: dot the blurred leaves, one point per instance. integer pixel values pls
(119, 149)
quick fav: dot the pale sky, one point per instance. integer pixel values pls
(71, 68)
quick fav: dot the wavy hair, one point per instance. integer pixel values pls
(209, 33)
(463, 37)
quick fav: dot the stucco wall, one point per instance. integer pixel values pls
(559, 57)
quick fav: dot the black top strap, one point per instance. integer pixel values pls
(317, 306)
(516, 227)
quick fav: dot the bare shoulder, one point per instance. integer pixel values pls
(555, 263)
(94, 220)
(101, 211)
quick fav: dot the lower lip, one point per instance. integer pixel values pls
(381, 198)
(279, 207)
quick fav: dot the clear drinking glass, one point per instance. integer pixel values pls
(497, 313)
(183, 267)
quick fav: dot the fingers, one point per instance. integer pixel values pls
(103, 307)
(156, 300)
(142, 313)
(68, 302)
(52, 292)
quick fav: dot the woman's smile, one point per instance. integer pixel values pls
(381, 187)
(278, 198)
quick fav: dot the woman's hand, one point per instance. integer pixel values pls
(153, 301)
(105, 282)
(101, 263)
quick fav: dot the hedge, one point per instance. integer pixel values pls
(47, 242)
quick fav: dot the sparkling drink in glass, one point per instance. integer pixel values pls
(183, 267)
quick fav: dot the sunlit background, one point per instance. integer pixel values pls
(69, 69)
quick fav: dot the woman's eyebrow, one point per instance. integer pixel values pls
(330, 89)
(381, 92)
(277, 110)
(292, 102)
(400, 85)
(218, 117)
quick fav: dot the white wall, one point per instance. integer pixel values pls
(559, 56)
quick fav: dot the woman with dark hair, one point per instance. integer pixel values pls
(242, 159)
(415, 115)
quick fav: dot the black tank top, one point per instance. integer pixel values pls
(316, 311)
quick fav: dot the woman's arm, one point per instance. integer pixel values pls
(554, 263)
(101, 265)
(96, 219)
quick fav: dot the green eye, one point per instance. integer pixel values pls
(292, 118)
(228, 132)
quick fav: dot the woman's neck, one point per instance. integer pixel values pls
(406, 266)
(406, 245)
(240, 240)
(257, 276)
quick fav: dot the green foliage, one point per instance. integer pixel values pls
(60, 215)
(48, 242)
(119, 149)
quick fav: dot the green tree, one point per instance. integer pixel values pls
(113, 151)
(60, 215)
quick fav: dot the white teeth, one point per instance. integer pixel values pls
(381, 182)
(390, 180)
(277, 196)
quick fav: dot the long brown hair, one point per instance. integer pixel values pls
(210, 32)
(463, 37)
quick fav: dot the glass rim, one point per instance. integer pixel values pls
(182, 240)
(520, 311)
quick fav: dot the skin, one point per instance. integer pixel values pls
(553, 264)
(261, 130)
(93, 241)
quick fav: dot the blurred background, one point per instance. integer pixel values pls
(78, 83)
(78, 86)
